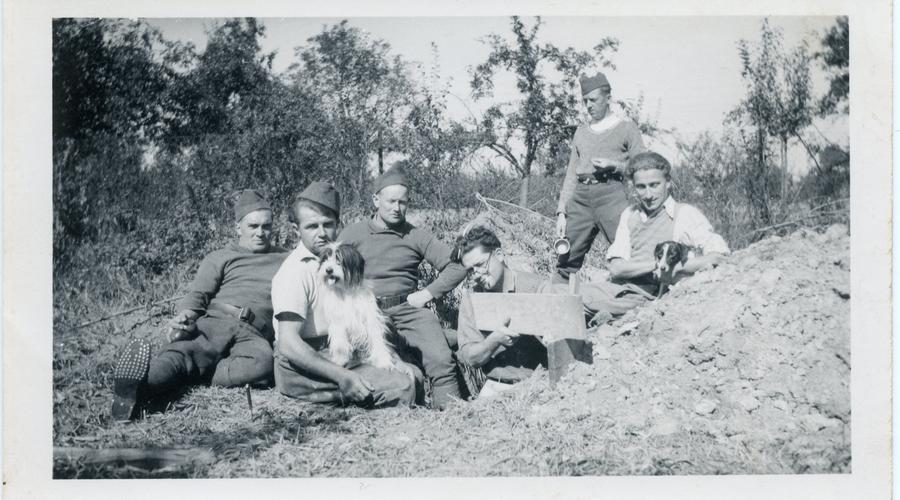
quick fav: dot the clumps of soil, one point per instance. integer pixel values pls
(750, 361)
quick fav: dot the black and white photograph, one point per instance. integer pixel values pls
(517, 245)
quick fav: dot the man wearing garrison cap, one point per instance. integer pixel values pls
(301, 335)
(593, 193)
(394, 249)
(223, 332)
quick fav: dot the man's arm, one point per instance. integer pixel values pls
(568, 185)
(621, 244)
(299, 353)
(697, 231)
(205, 285)
(474, 348)
(631, 268)
(450, 274)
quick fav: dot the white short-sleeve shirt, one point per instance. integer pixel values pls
(294, 290)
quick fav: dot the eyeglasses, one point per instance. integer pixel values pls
(483, 265)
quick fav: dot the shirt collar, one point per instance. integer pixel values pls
(607, 122)
(374, 227)
(668, 206)
(304, 253)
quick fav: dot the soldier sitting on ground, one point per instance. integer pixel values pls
(223, 332)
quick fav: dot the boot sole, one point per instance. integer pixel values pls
(129, 375)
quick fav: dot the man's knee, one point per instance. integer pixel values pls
(241, 370)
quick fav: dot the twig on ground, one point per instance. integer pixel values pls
(127, 311)
(152, 458)
(487, 201)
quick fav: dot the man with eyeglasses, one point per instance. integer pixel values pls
(503, 355)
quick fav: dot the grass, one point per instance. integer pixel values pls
(582, 428)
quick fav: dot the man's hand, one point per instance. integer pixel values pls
(420, 298)
(354, 387)
(504, 336)
(561, 225)
(182, 325)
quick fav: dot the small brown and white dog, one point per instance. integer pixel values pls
(356, 326)
(668, 254)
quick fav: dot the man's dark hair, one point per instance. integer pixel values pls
(303, 202)
(478, 236)
(648, 161)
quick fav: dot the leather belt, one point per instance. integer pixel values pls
(589, 179)
(390, 301)
(243, 314)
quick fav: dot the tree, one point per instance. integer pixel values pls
(835, 57)
(233, 67)
(435, 146)
(779, 101)
(522, 131)
(109, 104)
(363, 88)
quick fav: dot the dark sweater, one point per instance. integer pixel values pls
(620, 143)
(393, 258)
(235, 276)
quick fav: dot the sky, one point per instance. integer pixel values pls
(687, 68)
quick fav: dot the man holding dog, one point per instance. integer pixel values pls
(301, 369)
(654, 219)
(593, 194)
(393, 249)
(223, 332)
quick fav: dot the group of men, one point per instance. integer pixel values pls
(250, 315)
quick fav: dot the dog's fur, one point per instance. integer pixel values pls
(668, 254)
(356, 326)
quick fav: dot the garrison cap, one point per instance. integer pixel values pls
(249, 201)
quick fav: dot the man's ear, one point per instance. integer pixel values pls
(375, 199)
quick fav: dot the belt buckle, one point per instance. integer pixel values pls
(246, 315)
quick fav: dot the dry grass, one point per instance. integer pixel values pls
(622, 416)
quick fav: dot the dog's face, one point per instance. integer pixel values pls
(341, 266)
(668, 254)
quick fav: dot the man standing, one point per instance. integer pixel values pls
(223, 332)
(393, 249)
(593, 195)
(302, 370)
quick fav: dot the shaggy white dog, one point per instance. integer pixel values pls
(356, 326)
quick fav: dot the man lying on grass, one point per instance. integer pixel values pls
(223, 332)
(303, 369)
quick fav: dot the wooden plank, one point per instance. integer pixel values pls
(562, 353)
(551, 316)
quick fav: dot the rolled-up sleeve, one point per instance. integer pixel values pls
(621, 245)
(437, 253)
(694, 229)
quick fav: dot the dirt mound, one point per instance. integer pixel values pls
(753, 355)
